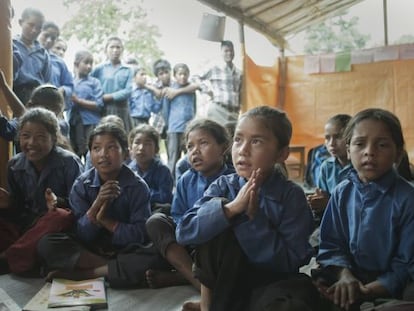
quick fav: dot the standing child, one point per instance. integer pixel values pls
(144, 147)
(35, 68)
(251, 228)
(334, 169)
(142, 101)
(33, 174)
(207, 144)
(179, 111)
(116, 79)
(366, 243)
(87, 103)
(111, 205)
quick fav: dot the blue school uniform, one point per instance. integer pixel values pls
(8, 128)
(369, 228)
(131, 208)
(142, 102)
(276, 239)
(158, 179)
(35, 68)
(331, 174)
(61, 77)
(27, 187)
(180, 110)
(88, 88)
(190, 188)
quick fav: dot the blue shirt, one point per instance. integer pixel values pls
(369, 227)
(35, 68)
(116, 81)
(142, 102)
(131, 208)
(180, 110)
(27, 187)
(190, 188)
(159, 180)
(88, 88)
(8, 128)
(61, 76)
(331, 174)
(276, 239)
(181, 167)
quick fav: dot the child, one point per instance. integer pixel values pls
(116, 79)
(142, 101)
(40, 168)
(251, 228)
(111, 205)
(334, 169)
(35, 67)
(207, 144)
(87, 103)
(366, 241)
(144, 148)
(60, 47)
(180, 110)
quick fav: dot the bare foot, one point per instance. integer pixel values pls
(191, 306)
(158, 278)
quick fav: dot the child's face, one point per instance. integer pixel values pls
(59, 48)
(334, 141)
(141, 78)
(372, 150)
(143, 149)
(85, 66)
(181, 76)
(255, 146)
(164, 75)
(204, 153)
(31, 27)
(48, 37)
(114, 51)
(107, 156)
(36, 143)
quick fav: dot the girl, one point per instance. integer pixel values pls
(333, 169)
(366, 242)
(251, 227)
(111, 205)
(144, 147)
(207, 143)
(116, 80)
(41, 171)
(87, 103)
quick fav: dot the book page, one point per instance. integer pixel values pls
(7, 303)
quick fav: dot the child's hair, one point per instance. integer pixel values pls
(230, 127)
(377, 114)
(28, 12)
(216, 130)
(159, 65)
(147, 130)
(340, 119)
(113, 129)
(112, 118)
(42, 116)
(49, 24)
(273, 119)
(227, 43)
(180, 66)
(137, 69)
(113, 38)
(80, 55)
(47, 96)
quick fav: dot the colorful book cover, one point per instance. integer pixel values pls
(66, 293)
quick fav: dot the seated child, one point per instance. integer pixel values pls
(207, 143)
(144, 147)
(111, 205)
(366, 243)
(41, 169)
(250, 228)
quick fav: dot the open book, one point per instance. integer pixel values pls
(7, 303)
(68, 293)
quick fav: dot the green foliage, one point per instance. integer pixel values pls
(405, 39)
(97, 20)
(335, 35)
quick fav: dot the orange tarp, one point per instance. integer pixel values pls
(311, 99)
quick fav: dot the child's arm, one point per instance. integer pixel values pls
(170, 93)
(14, 102)
(4, 198)
(318, 201)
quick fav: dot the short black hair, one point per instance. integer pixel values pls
(159, 65)
(148, 130)
(227, 43)
(113, 129)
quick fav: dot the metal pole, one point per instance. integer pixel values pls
(385, 22)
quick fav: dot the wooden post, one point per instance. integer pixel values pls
(243, 92)
(6, 66)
